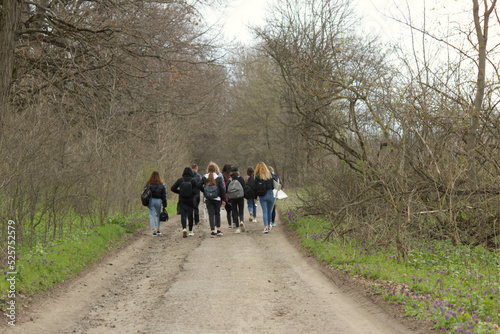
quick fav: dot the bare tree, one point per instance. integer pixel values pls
(10, 13)
(481, 25)
(101, 93)
(405, 134)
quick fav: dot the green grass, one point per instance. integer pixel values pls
(458, 288)
(47, 264)
(43, 267)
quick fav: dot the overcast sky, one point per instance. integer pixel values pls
(240, 13)
(237, 16)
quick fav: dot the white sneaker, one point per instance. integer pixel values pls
(237, 230)
(254, 221)
(242, 227)
(265, 230)
(184, 233)
(191, 233)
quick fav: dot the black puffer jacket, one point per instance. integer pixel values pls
(159, 191)
(187, 176)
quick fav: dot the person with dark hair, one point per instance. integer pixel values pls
(197, 178)
(226, 170)
(277, 179)
(157, 201)
(252, 206)
(186, 188)
(214, 193)
(235, 192)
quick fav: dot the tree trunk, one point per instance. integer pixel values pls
(10, 14)
(482, 39)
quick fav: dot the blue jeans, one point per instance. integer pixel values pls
(266, 202)
(154, 212)
(252, 207)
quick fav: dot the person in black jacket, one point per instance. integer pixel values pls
(186, 188)
(158, 199)
(277, 179)
(210, 179)
(197, 178)
(252, 207)
(226, 171)
(263, 177)
(237, 204)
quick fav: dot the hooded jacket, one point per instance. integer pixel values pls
(187, 176)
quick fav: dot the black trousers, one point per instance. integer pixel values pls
(196, 210)
(186, 215)
(213, 208)
(237, 209)
(228, 209)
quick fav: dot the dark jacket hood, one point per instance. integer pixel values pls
(187, 172)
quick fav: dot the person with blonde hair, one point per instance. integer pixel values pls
(263, 189)
(214, 193)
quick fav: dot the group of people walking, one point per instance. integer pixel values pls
(226, 189)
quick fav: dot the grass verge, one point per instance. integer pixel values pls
(458, 288)
(44, 267)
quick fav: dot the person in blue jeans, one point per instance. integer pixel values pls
(277, 179)
(158, 199)
(252, 207)
(263, 188)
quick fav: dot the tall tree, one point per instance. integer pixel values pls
(482, 26)
(101, 93)
(10, 14)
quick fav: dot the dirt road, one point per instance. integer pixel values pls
(237, 283)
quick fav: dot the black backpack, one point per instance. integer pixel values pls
(260, 187)
(251, 181)
(186, 188)
(146, 194)
(248, 192)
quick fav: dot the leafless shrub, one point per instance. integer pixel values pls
(419, 144)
